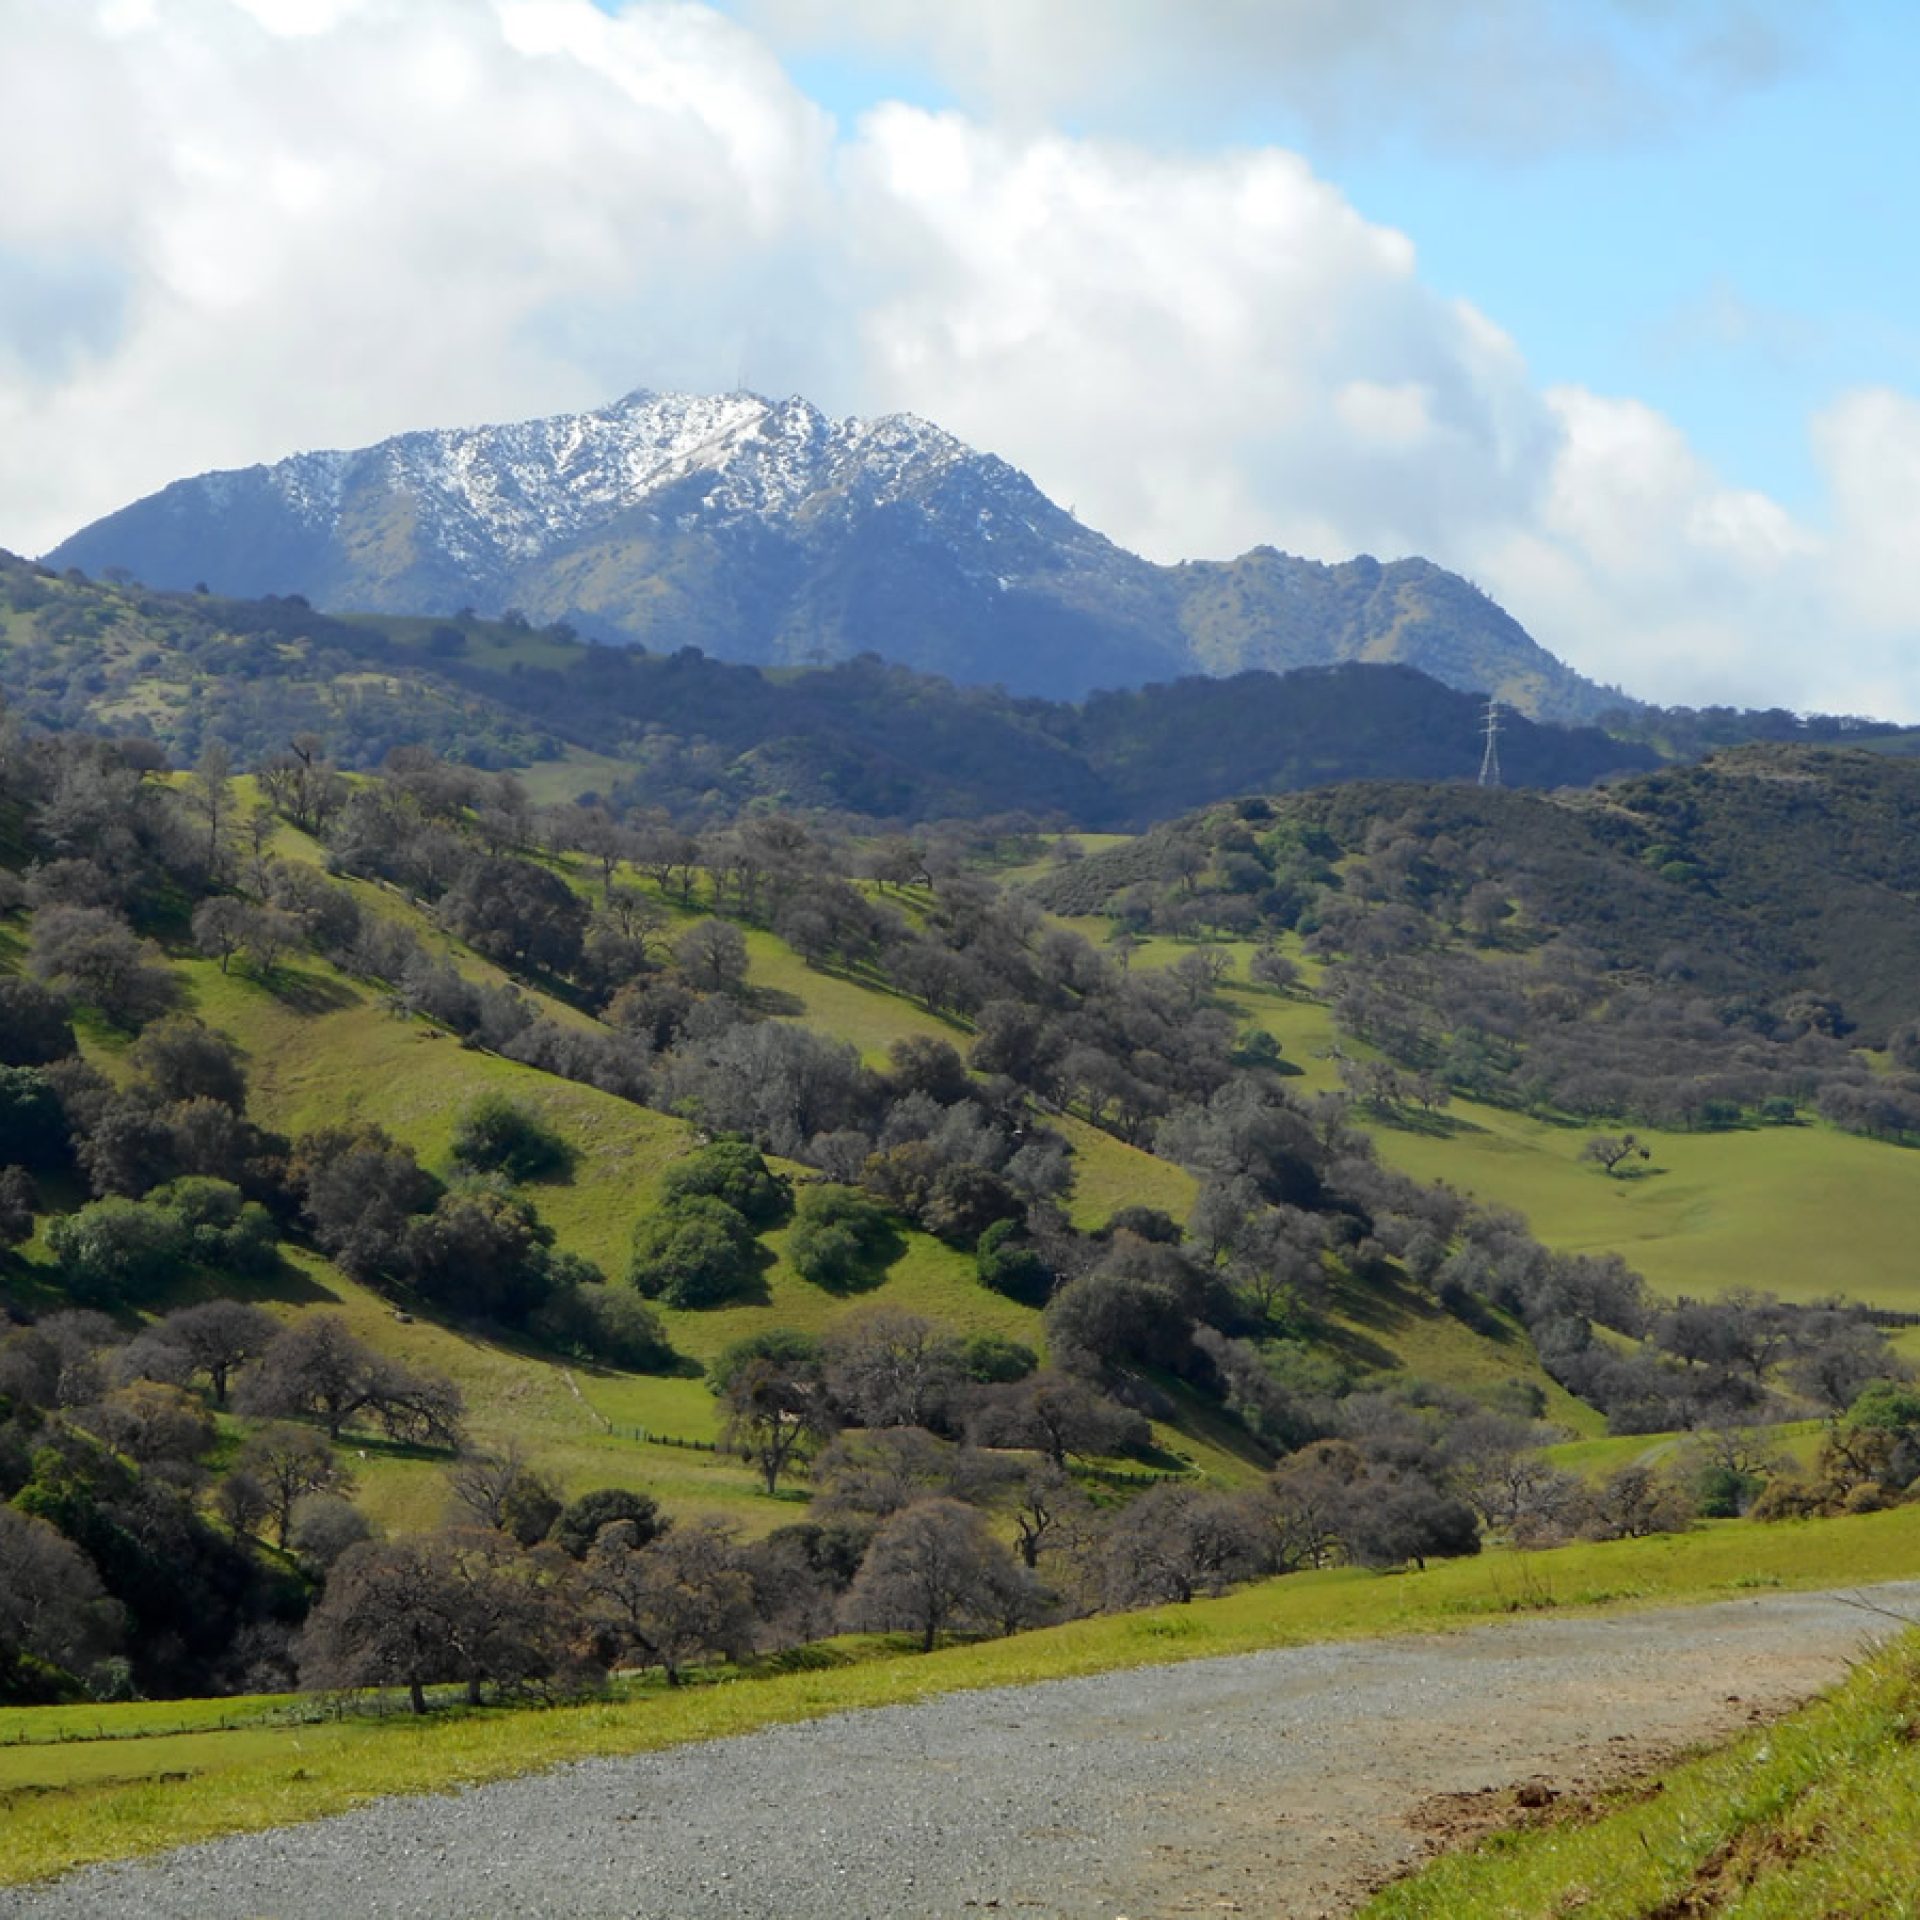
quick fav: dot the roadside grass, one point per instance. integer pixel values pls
(1816, 1815)
(163, 1788)
(130, 1719)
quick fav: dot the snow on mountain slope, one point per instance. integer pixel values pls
(522, 491)
(764, 530)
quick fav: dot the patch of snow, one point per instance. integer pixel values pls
(496, 497)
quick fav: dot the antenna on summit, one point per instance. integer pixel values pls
(1490, 758)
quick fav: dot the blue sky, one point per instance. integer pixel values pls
(1607, 304)
(1734, 272)
(1735, 263)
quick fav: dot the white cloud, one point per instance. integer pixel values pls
(1498, 77)
(256, 225)
(1180, 345)
(1644, 569)
(313, 225)
(1868, 444)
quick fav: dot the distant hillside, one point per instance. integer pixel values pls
(705, 737)
(1688, 947)
(768, 533)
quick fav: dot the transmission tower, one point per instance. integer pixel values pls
(1490, 758)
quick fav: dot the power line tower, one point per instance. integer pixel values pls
(1490, 758)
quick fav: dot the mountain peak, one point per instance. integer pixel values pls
(765, 530)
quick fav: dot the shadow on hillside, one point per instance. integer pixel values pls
(1388, 1304)
(380, 1446)
(309, 993)
(681, 1366)
(1356, 1350)
(1433, 1126)
(287, 1285)
(775, 1002)
(28, 1290)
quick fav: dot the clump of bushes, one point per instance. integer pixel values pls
(841, 1240)
(120, 1252)
(699, 1247)
(734, 1171)
(695, 1251)
(498, 1135)
(1006, 1260)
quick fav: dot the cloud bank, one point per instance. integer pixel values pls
(1500, 78)
(249, 226)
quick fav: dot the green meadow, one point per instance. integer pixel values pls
(1802, 1211)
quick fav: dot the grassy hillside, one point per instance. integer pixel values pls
(322, 1049)
(1802, 1211)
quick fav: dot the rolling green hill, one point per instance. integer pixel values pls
(321, 1049)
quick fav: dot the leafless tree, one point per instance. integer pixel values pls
(1611, 1151)
(675, 1600)
(470, 1607)
(1176, 1541)
(932, 1566)
(288, 1462)
(319, 1369)
(777, 1414)
(503, 1491)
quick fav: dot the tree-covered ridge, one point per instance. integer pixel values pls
(1699, 945)
(704, 737)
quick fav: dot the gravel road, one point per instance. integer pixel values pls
(1277, 1784)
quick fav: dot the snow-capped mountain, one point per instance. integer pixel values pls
(763, 530)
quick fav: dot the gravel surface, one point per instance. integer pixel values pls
(1281, 1784)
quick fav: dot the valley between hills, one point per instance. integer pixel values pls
(562, 1201)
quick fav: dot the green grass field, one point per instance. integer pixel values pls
(1801, 1211)
(1798, 1211)
(103, 1782)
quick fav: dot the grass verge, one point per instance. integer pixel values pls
(1816, 1817)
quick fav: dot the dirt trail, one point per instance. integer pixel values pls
(1281, 1784)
